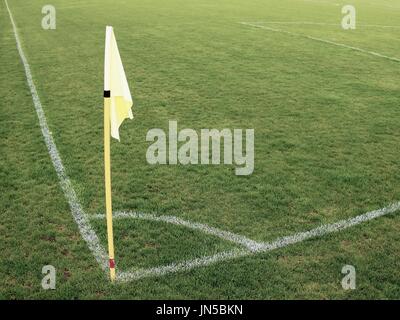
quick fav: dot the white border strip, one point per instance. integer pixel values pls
(79, 215)
(266, 246)
(376, 54)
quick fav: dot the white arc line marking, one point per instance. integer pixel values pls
(93, 242)
(79, 215)
(338, 44)
(225, 235)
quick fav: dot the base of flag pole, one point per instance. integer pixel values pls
(112, 269)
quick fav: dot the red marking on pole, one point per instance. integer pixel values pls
(112, 263)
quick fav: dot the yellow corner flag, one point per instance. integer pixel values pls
(115, 83)
(117, 107)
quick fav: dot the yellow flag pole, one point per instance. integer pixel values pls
(107, 179)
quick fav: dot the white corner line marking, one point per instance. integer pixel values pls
(338, 44)
(238, 253)
(79, 215)
(93, 242)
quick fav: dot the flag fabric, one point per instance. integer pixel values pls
(116, 85)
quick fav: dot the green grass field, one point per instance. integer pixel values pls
(327, 136)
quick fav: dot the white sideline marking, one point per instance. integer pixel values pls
(376, 54)
(238, 253)
(330, 228)
(88, 234)
(323, 24)
(225, 235)
(79, 215)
